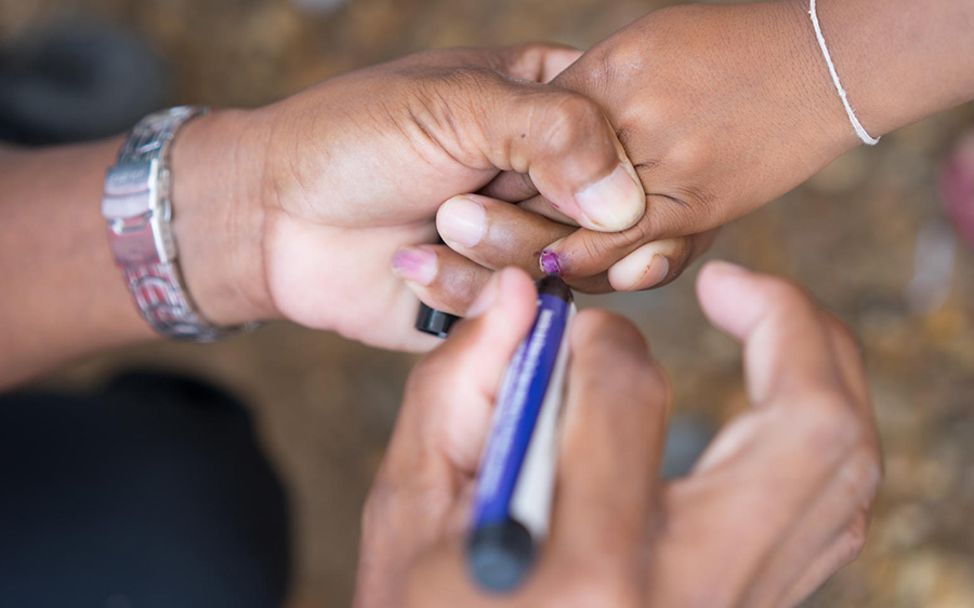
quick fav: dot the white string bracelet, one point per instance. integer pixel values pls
(860, 130)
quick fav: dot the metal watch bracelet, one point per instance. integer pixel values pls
(138, 210)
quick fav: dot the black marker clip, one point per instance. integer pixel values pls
(434, 322)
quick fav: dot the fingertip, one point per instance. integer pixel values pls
(726, 292)
(562, 256)
(712, 278)
(737, 300)
(549, 262)
(462, 221)
(719, 268)
(596, 331)
(648, 266)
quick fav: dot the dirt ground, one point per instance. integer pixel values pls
(867, 237)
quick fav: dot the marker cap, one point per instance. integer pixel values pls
(500, 555)
(434, 322)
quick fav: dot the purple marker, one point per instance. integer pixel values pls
(515, 484)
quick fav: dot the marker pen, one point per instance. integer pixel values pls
(515, 484)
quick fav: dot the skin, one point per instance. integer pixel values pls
(295, 210)
(620, 535)
(335, 185)
(723, 108)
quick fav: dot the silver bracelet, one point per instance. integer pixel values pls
(138, 210)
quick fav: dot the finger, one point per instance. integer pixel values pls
(565, 145)
(791, 373)
(836, 556)
(614, 422)
(843, 503)
(496, 234)
(649, 265)
(440, 277)
(658, 263)
(803, 429)
(539, 206)
(787, 349)
(450, 393)
(849, 356)
(833, 530)
(445, 280)
(587, 252)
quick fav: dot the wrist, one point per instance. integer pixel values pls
(217, 166)
(900, 60)
(820, 121)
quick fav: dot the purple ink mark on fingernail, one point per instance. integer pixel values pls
(550, 264)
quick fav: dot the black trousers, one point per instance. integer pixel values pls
(152, 493)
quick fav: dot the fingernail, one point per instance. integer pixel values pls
(657, 271)
(549, 262)
(462, 220)
(486, 297)
(641, 269)
(415, 264)
(613, 203)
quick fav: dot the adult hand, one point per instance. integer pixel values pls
(777, 504)
(346, 173)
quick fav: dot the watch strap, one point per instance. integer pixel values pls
(138, 212)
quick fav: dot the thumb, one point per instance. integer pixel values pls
(450, 394)
(565, 145)
(787, 352)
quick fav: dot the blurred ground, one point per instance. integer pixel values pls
(857, 236)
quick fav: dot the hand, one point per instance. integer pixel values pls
(778, 502)
(720, 108)
(354, 169)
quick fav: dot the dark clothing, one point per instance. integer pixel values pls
(150, 494)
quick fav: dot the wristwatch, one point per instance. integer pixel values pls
(138, 211)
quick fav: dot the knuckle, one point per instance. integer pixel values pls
(519, 56)
(597, 248)
(601, 250)
(852, 541)
(570, 117)
(687, 158)
(613, 246)
(829, 423)
(615, 62)
(861, 475)
(642, 232)
(857, 534)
